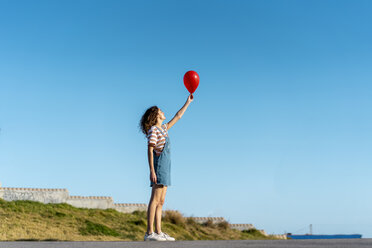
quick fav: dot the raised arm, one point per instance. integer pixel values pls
(180, 112)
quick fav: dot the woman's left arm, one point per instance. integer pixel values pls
(180, 112)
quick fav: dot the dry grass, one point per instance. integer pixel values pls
(223, 225)
(174, 217)
(28, 220)
(190, 221)
(209, 223)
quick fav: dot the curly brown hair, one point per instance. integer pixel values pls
(149, 119)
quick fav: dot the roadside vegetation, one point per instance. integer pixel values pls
(29, 220)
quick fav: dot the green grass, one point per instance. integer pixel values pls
(35, 221)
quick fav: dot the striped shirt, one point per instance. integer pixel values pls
(156, 139)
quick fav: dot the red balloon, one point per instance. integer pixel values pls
(191, 81)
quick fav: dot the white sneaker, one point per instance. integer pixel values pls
(154, 237)
(167, 237)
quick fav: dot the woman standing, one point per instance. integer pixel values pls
(160, 165)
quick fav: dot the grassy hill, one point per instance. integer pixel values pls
(29, 220)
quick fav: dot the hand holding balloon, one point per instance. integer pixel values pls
(190, 98)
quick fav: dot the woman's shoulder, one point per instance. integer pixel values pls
(165, 126)
(153, 129)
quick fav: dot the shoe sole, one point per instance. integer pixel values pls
(154, 240)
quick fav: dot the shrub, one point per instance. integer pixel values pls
(209, 223)
(174, 217)
(253, 231)
(140, 222)
(223, 225)
(190, 221)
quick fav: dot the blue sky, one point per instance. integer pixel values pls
(279, 133)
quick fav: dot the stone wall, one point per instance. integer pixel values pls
(34, 194)
(130, 207)
(102, 202)
(62, 196)
(202, 220)
(242, 227)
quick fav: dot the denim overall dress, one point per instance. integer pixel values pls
(162, 164)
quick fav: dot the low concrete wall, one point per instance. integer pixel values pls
(130, 207)
(202, 220)
(101, 202)
(279, 236)
(62, 196)
(241, 227)
(34, 194)
(263, 232)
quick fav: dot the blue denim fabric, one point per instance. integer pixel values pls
(162, 164)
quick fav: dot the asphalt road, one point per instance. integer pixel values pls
(338, 243)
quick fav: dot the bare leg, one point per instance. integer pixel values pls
(159, 211)
(154, 201)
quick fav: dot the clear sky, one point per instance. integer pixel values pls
(279, 133)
